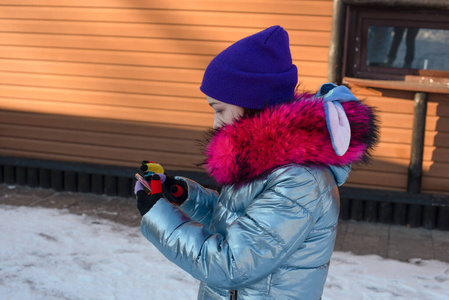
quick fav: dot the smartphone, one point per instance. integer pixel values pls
(143, 181)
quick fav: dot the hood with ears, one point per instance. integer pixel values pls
(294, 132)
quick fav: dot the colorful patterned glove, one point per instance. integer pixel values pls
(173, 190)
(146, 201)
(148, 168)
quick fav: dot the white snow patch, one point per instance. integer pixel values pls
(52, 254)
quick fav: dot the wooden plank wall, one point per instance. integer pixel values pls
(115, 82)
(436, 152)
(389, 167)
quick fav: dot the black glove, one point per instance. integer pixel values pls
(174, 190)
(146, 201)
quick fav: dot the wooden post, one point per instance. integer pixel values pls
(97, 184)
(84, 182)
(56, 180)
(124, 187)
(44, 178)
(21, 175)
(443, 219)
(9, 174)
(33, 177)
(110, 185)
(345, 209)
(416, 156)
(400, 214)
(336, 44)
(357, 207)
(370, 214)
(429, 217)
(385, 212)
(70, 181)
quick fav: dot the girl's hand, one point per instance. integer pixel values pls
(173, 190)
(146, 201)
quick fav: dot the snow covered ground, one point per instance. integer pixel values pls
(52, 254)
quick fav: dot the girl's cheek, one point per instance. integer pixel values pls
(217, 122)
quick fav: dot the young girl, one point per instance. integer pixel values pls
(279, 157)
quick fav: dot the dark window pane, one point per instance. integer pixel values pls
(408, 47)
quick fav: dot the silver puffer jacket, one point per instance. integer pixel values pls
(269, 239)
(270, 232)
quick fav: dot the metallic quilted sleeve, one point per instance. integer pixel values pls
(273, 226)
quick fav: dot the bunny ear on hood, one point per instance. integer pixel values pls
(336, 119)
(307, 131)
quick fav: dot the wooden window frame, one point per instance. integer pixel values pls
(358, 20)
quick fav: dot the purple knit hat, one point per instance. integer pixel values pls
(255, 72)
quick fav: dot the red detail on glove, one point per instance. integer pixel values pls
(156, 186)
(178, 192)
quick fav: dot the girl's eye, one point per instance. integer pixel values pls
(218, 111)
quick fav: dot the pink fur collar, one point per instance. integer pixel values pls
(290, 133)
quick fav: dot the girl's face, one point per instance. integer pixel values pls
(224, 113)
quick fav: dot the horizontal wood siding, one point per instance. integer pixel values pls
(115, 82)
(436, 159)
(100, 141)
(389, 167)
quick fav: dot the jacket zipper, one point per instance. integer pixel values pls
(233, 295)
